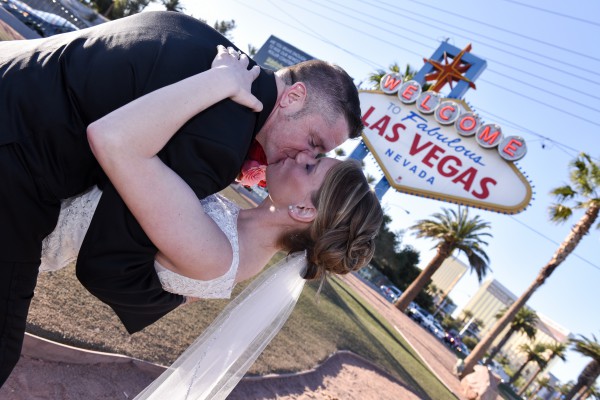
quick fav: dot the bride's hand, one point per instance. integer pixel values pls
(240, 77)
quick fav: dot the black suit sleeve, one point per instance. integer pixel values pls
(120, 271)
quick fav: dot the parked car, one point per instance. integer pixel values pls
(462, 348)
(42, 22)
(451, 338)
(434, 327)
(391, 293)
(415, 313)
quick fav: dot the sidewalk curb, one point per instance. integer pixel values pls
(36, 347)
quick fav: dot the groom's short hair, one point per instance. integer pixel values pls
(331, 92)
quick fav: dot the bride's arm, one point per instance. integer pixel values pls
(126, 141)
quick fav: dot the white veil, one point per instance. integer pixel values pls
(213, 365)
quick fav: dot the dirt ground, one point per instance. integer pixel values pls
(51, 371)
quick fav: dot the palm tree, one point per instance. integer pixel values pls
(556, 350)
(592, 393)
(476, 324)
(452, 231)
(252, 50)
(339, 152)
(585, 192)
(225, 27)
(433, 290)
(450, 323)
(114, 9)
(591, 372)
(375, 77)
(525, 321)
(533, 353)
(565, 388)
(172, 5)
(466, 315)
(503, 360)
(543, 382)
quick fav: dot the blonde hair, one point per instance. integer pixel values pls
(341, 238)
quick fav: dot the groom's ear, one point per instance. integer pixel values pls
(294, 97)
(303, 213)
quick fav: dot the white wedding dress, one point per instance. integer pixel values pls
(211, 367)
(61, 247)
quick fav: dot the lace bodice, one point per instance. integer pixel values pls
(224, 213)
(61, 247)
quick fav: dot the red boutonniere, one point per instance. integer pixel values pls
(254, 168)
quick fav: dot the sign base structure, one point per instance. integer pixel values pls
(437, 148)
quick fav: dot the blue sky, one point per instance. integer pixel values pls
(541, 83)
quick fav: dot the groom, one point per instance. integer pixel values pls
(52, 89)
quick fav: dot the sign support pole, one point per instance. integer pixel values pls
(381, 187)
(359, 153)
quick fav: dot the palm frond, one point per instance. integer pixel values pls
(478, 264)
(583, 175)
(584, 189)
(587, 347)
(563, 193)
(560, 213)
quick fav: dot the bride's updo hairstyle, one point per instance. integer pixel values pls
(341, 237)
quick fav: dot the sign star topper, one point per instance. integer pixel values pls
(449, 72)
(464, 69)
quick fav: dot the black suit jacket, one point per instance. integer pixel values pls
(59, 85)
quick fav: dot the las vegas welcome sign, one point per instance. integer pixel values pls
(437, 148)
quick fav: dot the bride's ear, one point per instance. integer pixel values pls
(302, 213)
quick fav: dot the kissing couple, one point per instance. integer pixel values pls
(151, 111)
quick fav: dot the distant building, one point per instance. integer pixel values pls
(491, 298)
(448, 275)
(444, 279)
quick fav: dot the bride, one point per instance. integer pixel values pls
(324, 214)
